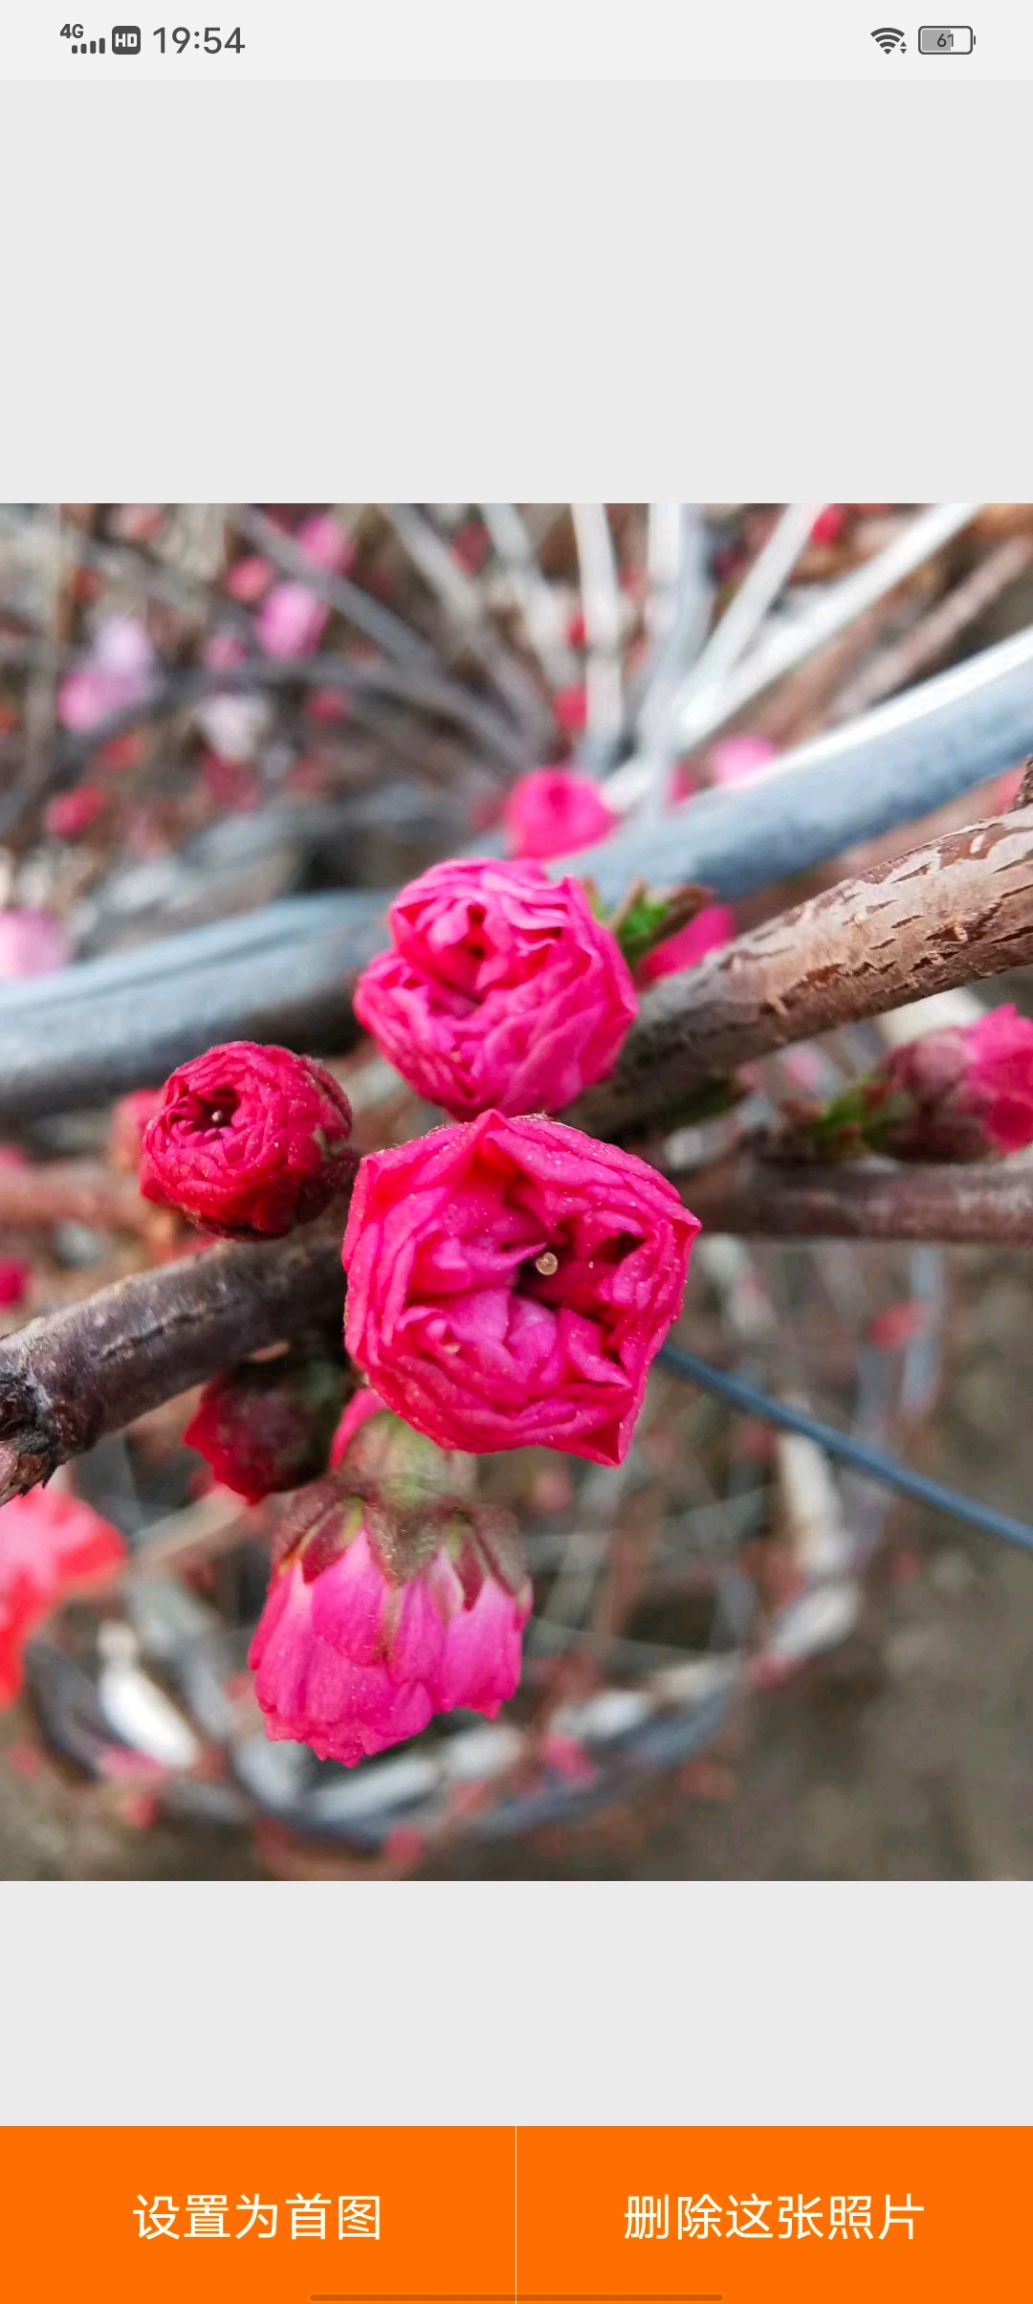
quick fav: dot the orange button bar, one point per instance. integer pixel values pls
(506, 2216)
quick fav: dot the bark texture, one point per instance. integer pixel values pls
(91, 1369)
(756, 1197)
(946, 913)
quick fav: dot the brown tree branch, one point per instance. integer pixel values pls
(91, 1369)
(67, 1191)
(751, 1196)
(952, 910)
(944, 914)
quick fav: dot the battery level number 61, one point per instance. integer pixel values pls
(946, 40)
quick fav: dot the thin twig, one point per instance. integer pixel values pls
(919, 541)
(71, 1191)
(601, 606)
(937, 632)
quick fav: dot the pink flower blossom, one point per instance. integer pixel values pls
(553, 811)
(570, 706)
(471, 545)
(829, 525)
(249, 579)
(49, 1541)
(70, 813)
(31, 944)
(389, 1602)
(292, 620)
(224, 652)
(329, 705)
(116, 673)
(736, 759)
(711, 928)
(235, 723)
(326, 542)
(510, 1282)
(502, 989)
(962, 1094)
(229, 783)
(15, 1275)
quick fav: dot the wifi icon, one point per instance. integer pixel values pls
(889, 38)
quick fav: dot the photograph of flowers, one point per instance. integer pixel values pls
(516, 1190)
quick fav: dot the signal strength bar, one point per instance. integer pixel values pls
(90, 48)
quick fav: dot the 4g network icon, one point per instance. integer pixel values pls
(126, 40)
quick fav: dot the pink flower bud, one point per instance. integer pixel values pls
(711, 928)
(830, 524)
(363, 1404)
(49, 1541)
(510, 1282)
(502, 989)
(248, 1140)
(386, 1606)
(267, 1425)
(553, 811)
(962, 1094)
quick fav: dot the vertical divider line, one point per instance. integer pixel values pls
(516, 2199)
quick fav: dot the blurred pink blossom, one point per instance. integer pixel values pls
(70, 813)
(553, 811)
(15, 1276)
(737, 758)
(291, 621)
(31, 943)
(249, 578)
(117, 672)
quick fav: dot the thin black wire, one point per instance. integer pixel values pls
(862, 1458)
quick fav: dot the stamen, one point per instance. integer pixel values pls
(546, 1263)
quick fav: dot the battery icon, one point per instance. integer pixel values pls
(946, 40)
